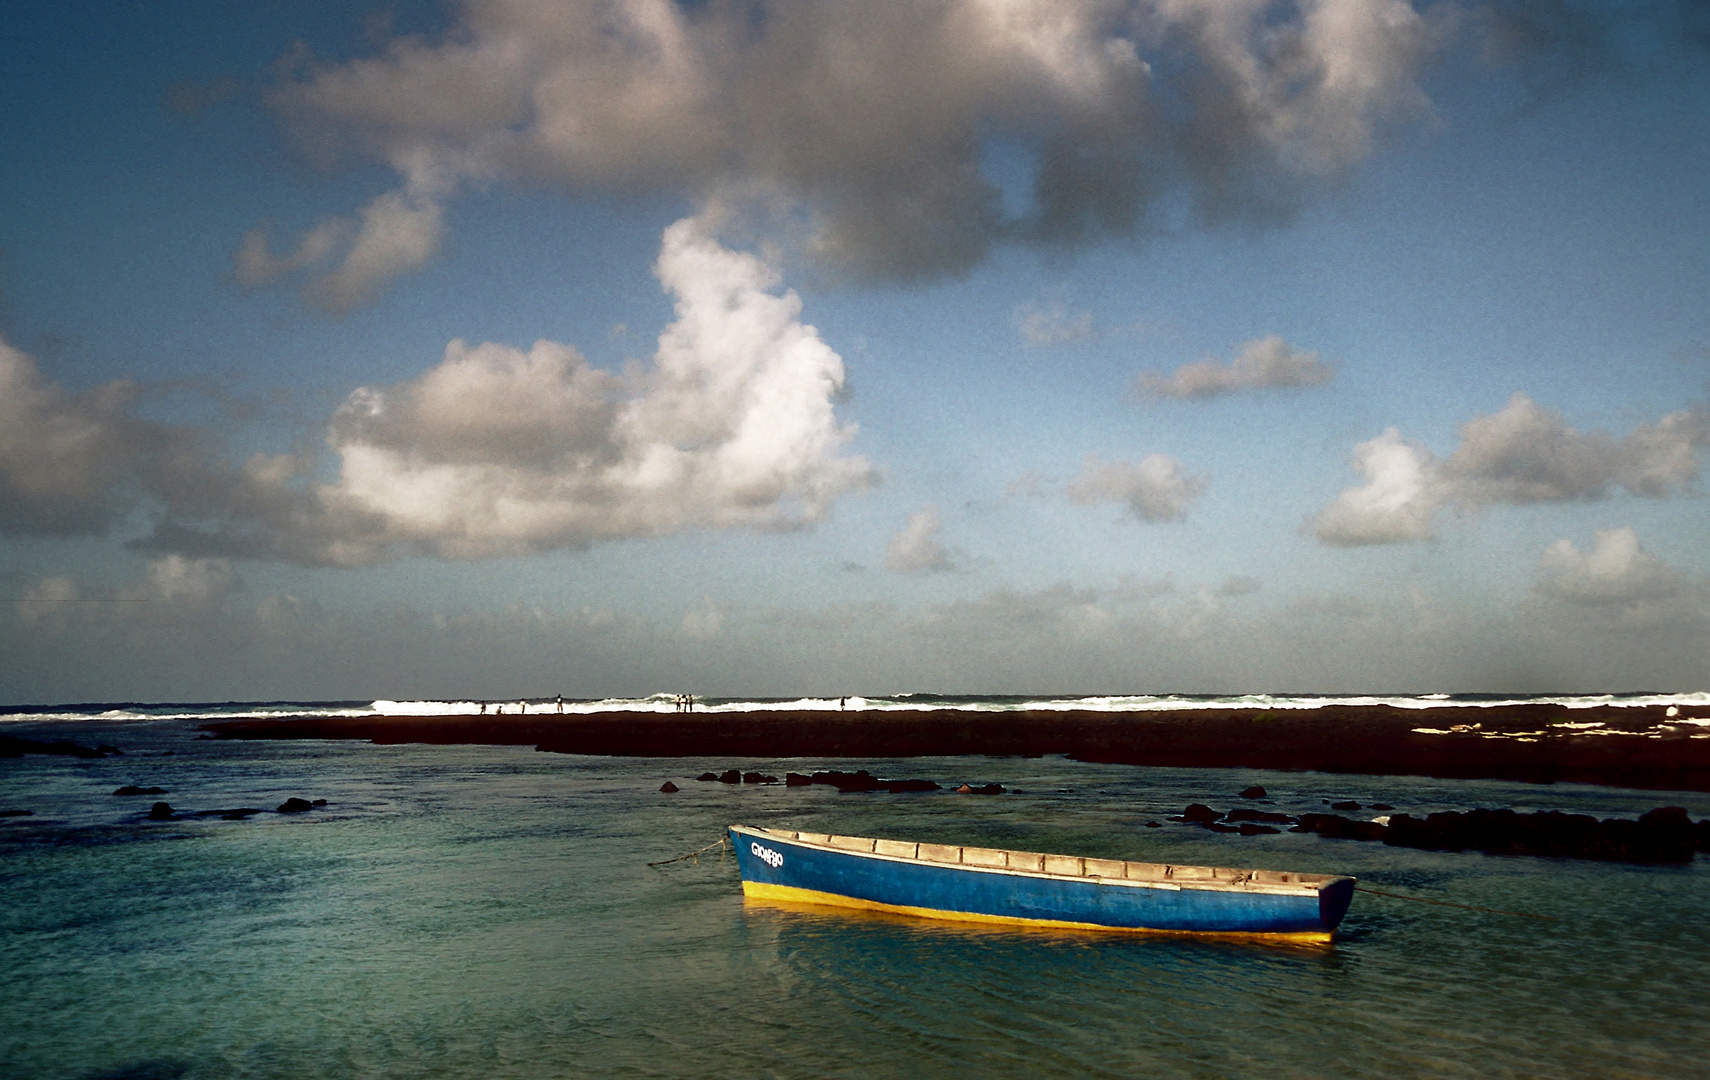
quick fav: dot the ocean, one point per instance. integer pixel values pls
(471, 911)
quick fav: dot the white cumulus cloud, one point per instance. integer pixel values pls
(704, 621)
(1052, 323)
(1262, 364)
(345, 263)
(1526, 453)
(917, 549)
(183, 580)
(1153, 489)
(499, 450)
(1238, 585)
(1522, 453)
(1397, 502)
(1617, 570)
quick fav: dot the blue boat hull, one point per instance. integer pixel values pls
(776, 868)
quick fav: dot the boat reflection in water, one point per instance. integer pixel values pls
(1026, 888)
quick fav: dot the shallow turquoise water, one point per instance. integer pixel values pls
(488, 912)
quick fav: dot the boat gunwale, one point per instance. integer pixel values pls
(1300, 888)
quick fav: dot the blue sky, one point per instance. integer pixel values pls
(1007, 347)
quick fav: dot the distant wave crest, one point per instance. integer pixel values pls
(666, 702)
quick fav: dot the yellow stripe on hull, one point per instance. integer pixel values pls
(760, 890)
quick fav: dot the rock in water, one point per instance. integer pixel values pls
(160, 812)
(897, 787)
(132, 789)
(1254, 792)
(294, 805)
(668, 787)
(1335, 827)
(1258, 815)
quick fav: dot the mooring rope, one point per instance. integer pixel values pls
(1445, 903)
(720, 843)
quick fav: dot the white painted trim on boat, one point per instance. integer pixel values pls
(1301, 888)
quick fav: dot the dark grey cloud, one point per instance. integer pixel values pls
(74, 464)
(861, 127)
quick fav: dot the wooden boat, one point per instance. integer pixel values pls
(992, 885)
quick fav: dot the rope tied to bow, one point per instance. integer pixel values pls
(721, 843)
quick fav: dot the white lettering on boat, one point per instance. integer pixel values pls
(771, 858)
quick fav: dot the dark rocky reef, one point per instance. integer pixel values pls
(1637, 746)
(1663, 835)
(132, 789)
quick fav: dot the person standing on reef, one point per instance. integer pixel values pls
(560, 702)
(842, 703)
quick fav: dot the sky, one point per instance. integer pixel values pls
(515, 348)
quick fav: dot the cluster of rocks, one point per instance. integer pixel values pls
(161, 811)
(1245, 822)
(1663, 835)
(12, 746)
(859, 780)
